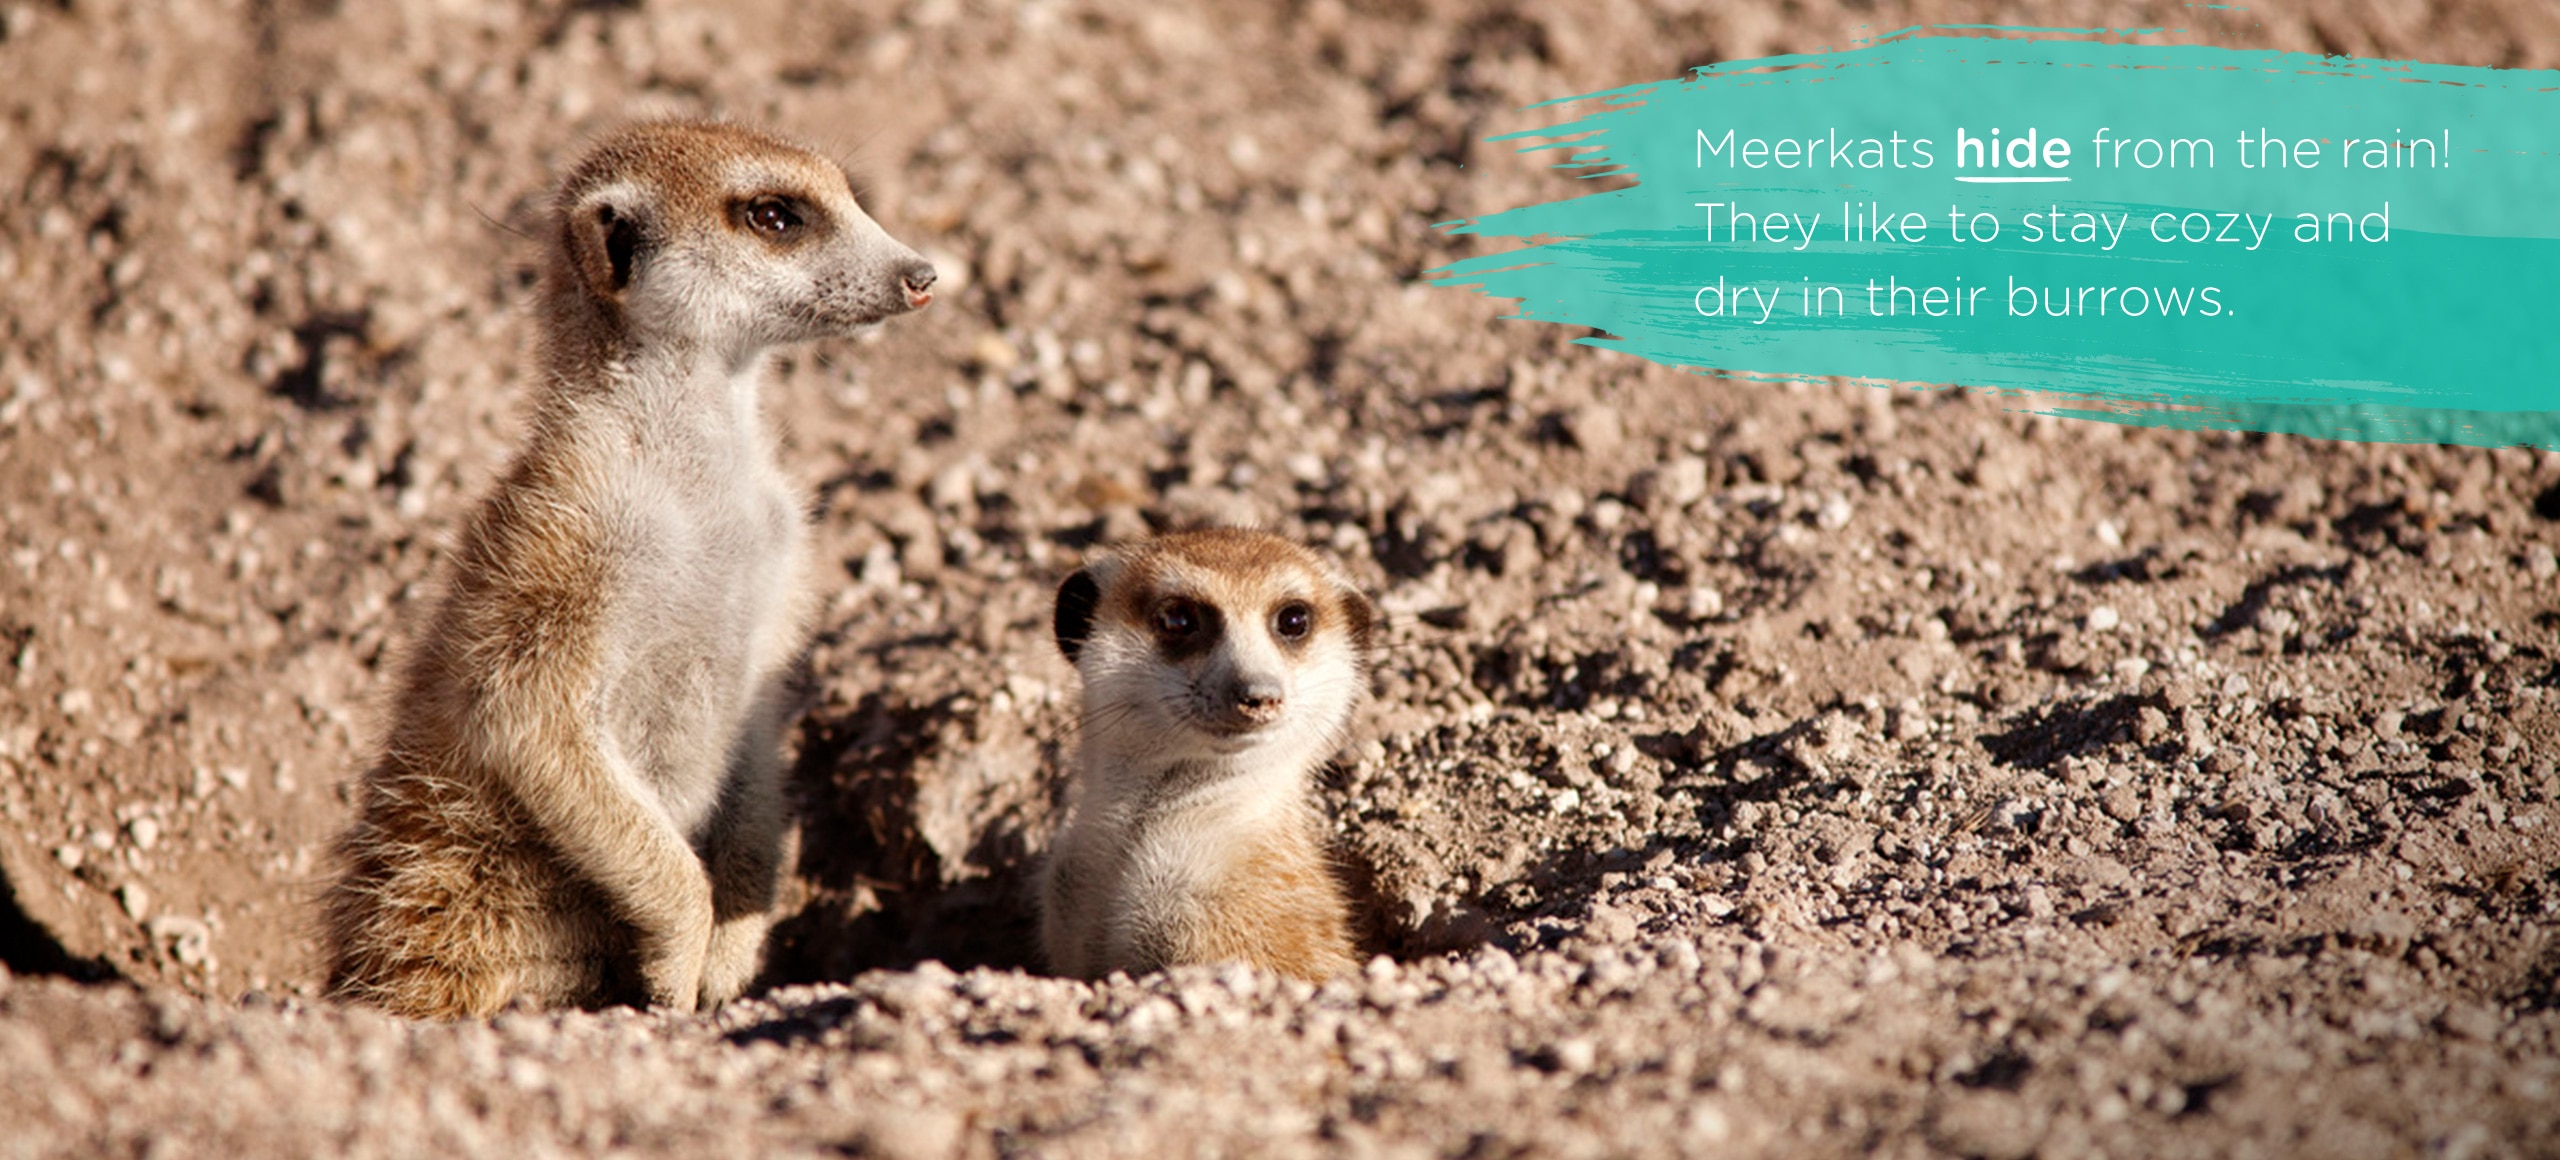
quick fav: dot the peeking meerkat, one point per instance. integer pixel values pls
(578, 801)
(1220, 667)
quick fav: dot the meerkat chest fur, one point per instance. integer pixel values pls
(711, 542)
(1220, 669)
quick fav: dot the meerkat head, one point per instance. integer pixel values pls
(726, 237)
(1215, 644)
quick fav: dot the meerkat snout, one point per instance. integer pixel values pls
(1220, 668)
(918, 279)
(1257, 700)
(1239, 699)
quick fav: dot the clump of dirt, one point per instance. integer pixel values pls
(1819, 769)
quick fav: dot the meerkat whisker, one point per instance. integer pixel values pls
(498, 225)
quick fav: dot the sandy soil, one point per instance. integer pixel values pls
(1815, 770)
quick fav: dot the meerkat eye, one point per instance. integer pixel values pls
(1292, 620)
(1177, 619)
(773, 215)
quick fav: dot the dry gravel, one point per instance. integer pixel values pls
(1788, 771)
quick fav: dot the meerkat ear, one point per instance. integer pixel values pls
(609, 238)
(1363, 618)
(1073, 623)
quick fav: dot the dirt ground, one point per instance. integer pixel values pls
(1807, 770)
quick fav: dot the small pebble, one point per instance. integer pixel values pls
(1574, 1056)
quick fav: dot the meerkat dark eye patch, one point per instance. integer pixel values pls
(1184, 627)
(1177, 618)
(1291, 622)
(774, 216)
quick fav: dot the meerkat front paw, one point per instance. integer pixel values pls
(673, 981)
(736, 954)
(672, 959)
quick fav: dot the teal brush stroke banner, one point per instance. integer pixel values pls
(2349, 249)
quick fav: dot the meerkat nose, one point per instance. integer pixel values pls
(1258, 700)
(918, 277)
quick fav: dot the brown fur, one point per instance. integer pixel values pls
(577, 801)
(1279, 908)
(1194, 837)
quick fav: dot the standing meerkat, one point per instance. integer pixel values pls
(578, 801)
(1220, 667)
